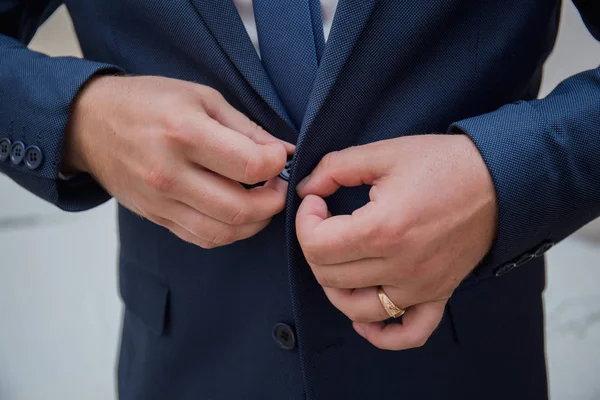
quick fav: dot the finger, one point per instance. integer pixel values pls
(354, 274)
(360, 305)
(341, 238)
(210, 230)
(417, 325)
(355, 166)
(219, 109)
(311, 214)
(228, 201)
(234, 155)
(180, 232)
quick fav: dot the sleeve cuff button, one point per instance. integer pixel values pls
(505, 269)
(5, 146)
(543, 249)
(33, 157)
(17, 152)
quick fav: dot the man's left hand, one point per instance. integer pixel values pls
(432, 217)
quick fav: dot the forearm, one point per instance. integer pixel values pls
(544, 158)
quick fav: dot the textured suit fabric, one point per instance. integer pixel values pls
(288, 50)
(198, 323)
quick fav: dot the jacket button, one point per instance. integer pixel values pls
(33, 157)
(543, 249)
(17, 152)
(505, 269)
(285, 174)
(4, 149)
(525, 258)
(284, 336)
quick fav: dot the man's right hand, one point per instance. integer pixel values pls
(175, 153)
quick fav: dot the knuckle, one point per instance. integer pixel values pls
(398, 229)
(160, 221)
(197, 228)
(314, 258)
(223, 237)
(160, 180)
(320, 277)
(207, 92)
(217, 103)
(385, 235)
(184, 237)
(323, 280)
(312, 254)
(328, 160)
(239, 216)
(313, 250)
(214, 95)
(376, 235)
(143, 209)
(357, 316)
(206, 245)
(255, 131)
(328, 280)
(259, 130)
(213, 101)
(379, 345)
(254, 127)
(177, 131)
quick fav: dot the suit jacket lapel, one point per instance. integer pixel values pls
(349, 22)
(224, 22)
(350, 19)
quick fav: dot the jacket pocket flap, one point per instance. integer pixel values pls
(144, 296)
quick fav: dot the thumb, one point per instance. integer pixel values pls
(311, 213)
(351, 167)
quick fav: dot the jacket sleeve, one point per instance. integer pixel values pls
(36, 92)
(544, 159)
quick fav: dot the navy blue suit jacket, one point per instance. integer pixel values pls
(198, 322)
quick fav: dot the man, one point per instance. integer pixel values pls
(425, 187)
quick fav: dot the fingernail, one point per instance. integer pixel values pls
(359, 329)
(303, 183)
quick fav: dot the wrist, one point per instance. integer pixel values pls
(81, 126)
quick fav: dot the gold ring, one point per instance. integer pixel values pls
(388, 305)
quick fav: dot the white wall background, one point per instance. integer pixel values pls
(60, 312)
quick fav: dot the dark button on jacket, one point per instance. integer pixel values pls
(525, 258)
(33, 157)
(505, 269)
(17, 152)
(5, 147)
(285, 174)
(284, 336)
(543, 249)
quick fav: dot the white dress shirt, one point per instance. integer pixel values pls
(246, 11)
